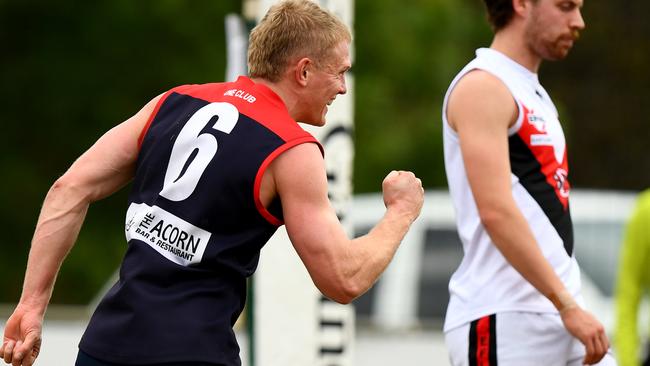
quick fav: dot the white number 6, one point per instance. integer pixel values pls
(183, 172)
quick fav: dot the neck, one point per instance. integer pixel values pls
(511, 42)
(285, 92)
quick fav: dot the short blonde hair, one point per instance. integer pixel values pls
(292, 29)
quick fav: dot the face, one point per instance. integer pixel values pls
(326, 81)
(553, 27)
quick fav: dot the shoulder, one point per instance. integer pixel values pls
(481, 93)
(480, 83)
(300, 158)
(299, 161)
(298, 174)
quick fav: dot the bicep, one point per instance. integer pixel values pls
(310, 220)
(110, 163)
(481, 109)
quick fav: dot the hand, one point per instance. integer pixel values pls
(22, 339)
(403, 190)
(589, 331)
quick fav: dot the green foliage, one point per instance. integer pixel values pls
(604, 87)
(71, 70)
(407, 53)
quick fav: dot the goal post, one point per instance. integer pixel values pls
(289, 322)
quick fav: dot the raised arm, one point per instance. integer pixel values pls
(341, 268)
(481, 109)
(105, 168)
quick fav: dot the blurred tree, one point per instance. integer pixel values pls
(406, 55)
(70, 71)
(604, 87)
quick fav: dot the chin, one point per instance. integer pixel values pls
(560, 55)
(557, 54)
(318, 122)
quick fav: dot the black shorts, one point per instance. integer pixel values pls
(84, 359)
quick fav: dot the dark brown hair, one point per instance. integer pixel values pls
(499, 13)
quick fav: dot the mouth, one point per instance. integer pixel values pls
(575, 35)
(569, 39)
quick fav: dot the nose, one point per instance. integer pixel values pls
(577, 22)
(342, 86)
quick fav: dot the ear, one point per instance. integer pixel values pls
(521, 7)
(302, 70)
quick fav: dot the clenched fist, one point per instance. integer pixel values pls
(403, 192)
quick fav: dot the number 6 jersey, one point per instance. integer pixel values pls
(195, 225)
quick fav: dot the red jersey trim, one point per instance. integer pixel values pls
(267, 109)
(555, 173)
(271, 113)
(151, 118)
(260, 173)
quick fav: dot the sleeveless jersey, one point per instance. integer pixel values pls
(195, 225)
(485, 283)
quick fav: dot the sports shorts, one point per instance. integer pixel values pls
(516, 339)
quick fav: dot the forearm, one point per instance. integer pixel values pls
(511, 234)
(102, 170)
(341, 268)
(62, 215)
(376, 249)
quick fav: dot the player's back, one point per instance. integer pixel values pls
(195, 225)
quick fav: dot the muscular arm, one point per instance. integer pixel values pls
(481, 109)
(106, 167)
(341, 268)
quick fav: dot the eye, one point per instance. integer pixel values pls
(567, 6)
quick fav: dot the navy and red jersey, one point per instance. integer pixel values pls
(195, 225)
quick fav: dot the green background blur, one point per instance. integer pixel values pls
(71, 70)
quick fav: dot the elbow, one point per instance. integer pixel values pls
(337, 275)
(492, 216)
(341, 297)
(62, 184)
(67, 189)
(344, 291)
(345, 296)
(338, 298)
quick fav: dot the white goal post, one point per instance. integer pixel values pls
(290, 322)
